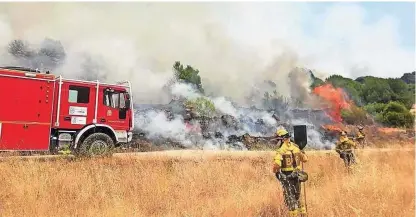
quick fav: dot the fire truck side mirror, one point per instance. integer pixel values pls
(128, 101)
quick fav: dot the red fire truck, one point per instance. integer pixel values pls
(43, 112)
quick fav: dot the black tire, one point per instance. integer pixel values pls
(96, 144)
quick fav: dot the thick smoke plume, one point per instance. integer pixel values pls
(241, 49)
(157, 125)
(141, 41)
(235, 45)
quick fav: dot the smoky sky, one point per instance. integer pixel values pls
(235, 46)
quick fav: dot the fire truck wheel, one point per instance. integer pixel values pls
(96, 144)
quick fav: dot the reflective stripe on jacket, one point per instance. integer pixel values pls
(288, 157)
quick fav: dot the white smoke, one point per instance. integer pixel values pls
(234, 45)
(225, 106)
(314, 137)
(157, 126)
(185, 91)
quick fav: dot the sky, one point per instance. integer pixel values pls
(234, 45)
(404, 12)
(347, 38)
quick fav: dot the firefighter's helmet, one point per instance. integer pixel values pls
(282, 133)
(343, 133)
(360, 127)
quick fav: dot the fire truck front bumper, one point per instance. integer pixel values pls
(129, 136)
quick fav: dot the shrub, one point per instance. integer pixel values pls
(395, 107)
(354, 115)
(375, 108)
(396, 114)
(398, 119)
(203, 106)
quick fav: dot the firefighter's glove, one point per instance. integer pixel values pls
(275, 168)
(281, 176)
(302, 176)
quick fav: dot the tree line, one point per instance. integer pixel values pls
(385, 100)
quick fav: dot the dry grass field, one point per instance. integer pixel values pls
(223, 184)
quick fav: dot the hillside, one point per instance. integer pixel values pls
(409, 78)
(385, 100)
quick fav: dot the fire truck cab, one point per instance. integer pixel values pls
(44, 112)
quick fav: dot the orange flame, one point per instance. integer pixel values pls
(388, 130)
(330, 127)
(336, 98)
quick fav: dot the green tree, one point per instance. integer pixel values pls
(401, 92)
(188, 75)
(396, 119)
(202, 106)
(395, 107)
(381, 90)
(411, 89)
(376, 90)
(397, 115)
(315, 81)
(50, 55)
(375, 108)
(351, 87)
(354, 115)
(20, 49)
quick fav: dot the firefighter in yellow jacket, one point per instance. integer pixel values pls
(288, 170)
(344, 148)
(361, 136)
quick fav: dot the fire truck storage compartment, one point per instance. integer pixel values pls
(28, 137)
(25, 112)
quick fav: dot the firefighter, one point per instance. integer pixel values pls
(361, 136)
(287, 167)
(344, 148)
(278, 138)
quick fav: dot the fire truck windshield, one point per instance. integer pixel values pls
(115, 99)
